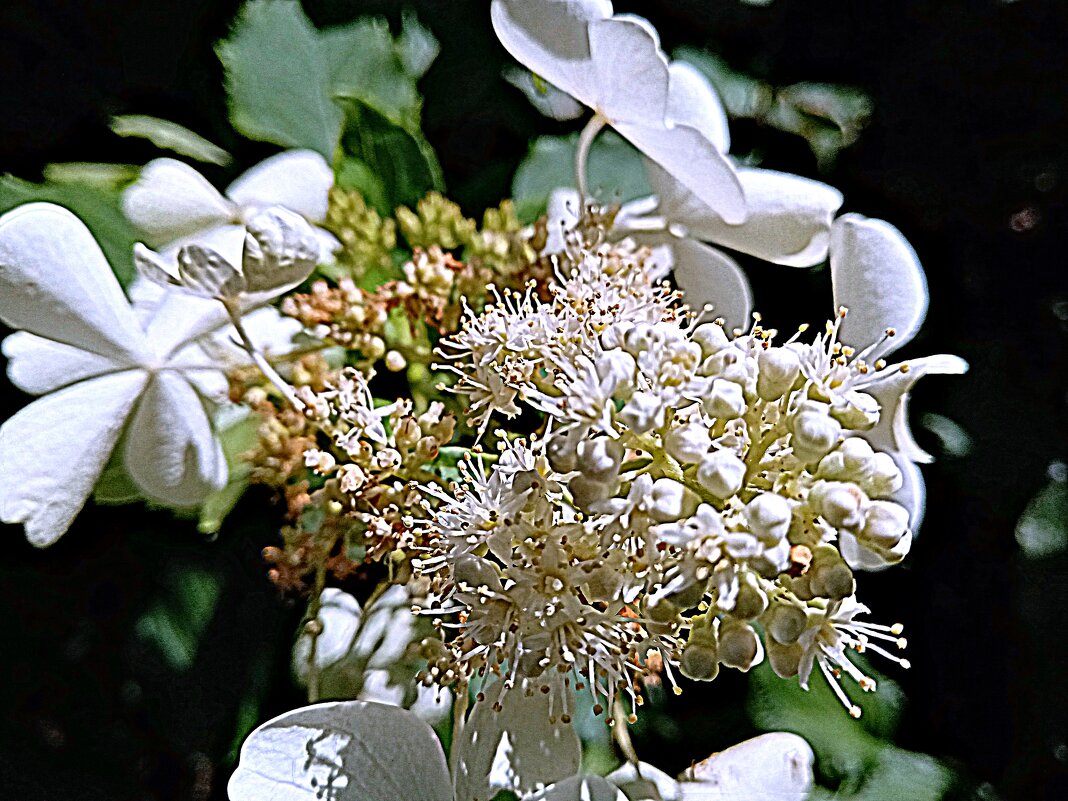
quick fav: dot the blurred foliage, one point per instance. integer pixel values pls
(1042, 530)
(178, 617)
(169, 135)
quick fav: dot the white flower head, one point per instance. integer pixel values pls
(101, 373)
(614, 65)
(174, 205)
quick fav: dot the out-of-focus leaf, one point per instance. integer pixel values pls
(416, 46)
(100, 209)
(545, 97)
(169, 136)
(354, 174)
(115, 487)
(175, 622)
(239, 437)
(403, 162)
(89, 173)
(855, 754)
(956, 442)
(285, 78)
(616, 172)
(1043, 527)
(827, 116)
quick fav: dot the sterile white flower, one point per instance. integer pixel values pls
(174, 205)
(102, 372)
(614, 65)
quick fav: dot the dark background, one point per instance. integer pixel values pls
(966, 154)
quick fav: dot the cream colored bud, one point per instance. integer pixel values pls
(784, 622)
(644, 410)
(885, 524)
(689, 442)
(670, 501)
(395, 361)
(814, 431)
(375, 349)
(711, 338)
(779, 369)
(739, 646)
(725, 400)
(700, 656)
(840, 504)
(769, 517)
(721, 473)
(785, 660)
(751, 600)
(407, 433)
(599, 458)
(427, 449)
(832, 579)
(587, 491)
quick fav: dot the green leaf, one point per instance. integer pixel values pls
(175, 622)
(169, 136)
(100, 209)
(285, 77)
(88, 173)
(237, 438)
(855, 754)
(403, 163)
(416, 47)
(616, 172)
(1043, 527)
(742, 95)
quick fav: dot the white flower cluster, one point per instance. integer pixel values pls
(691, 484)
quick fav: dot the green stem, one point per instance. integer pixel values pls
(260, 361)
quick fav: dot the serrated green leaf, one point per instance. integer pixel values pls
(287, 80)
(616, 172)
(416, 46)
(278, 78)
(100, 209)
(169, 136)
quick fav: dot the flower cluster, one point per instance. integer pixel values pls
(691, 483)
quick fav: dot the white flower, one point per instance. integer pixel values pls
(614, 65)
(877, 276)
(102, 373)
(174, 205)
(789, 222)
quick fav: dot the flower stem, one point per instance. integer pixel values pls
(582, 154)
(259, 359)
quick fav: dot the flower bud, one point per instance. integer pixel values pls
(599, 458)
(427, 448)
(642, 412)
(739, 646)
(407, 433)
(814, 431)
(769, 517)
(779, 369)
(639, 338)
(784, 623)
(721, 473)
(725, 400)
(785, 660)
(669, 501)
(884, 476)
(840, 504)
(710, 337)
(562, 451)
(689, 442)
(751, 601)
(395, 361)
(859, 412)
(661, 609)
(474, 572)
(700, 656)
(586, 491)
(831, 578)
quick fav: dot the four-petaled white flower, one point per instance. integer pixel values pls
(173, 205)
(104, 374)
(877, 277)
(614, 65)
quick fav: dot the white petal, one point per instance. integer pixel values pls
(171, 200)
(353, 750)
(631, 72)
(789, 218)
(519, 741)
(877, 276)
(37, 365)
(56, 283)
(892, 433)
(860, 557)
(692, 101)
(710, 277)
(550, 38)
(771, 767)
(913, 492)
(171, 452)
(580, 788)
(300, 180)
(639, 782)
(53, 451)
(691, 158)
